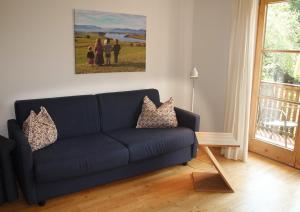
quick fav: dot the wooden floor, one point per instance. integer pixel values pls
(261, 185)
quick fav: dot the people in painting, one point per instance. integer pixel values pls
(107, 50)
(90, 56)
(99, 52)
(97, 56)
(116, 50)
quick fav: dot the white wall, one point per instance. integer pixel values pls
(37, 51)
(212, 22)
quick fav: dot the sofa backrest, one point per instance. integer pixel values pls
(121, 109)
(73, 116)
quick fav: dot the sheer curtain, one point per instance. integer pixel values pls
(240, 69)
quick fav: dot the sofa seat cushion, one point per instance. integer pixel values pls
(149, 143)
(78, 156)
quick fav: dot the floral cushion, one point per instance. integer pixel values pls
(153, 117)
(40, 129)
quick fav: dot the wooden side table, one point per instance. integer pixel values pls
(216, 182)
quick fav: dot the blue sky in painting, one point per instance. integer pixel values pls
(109, 20)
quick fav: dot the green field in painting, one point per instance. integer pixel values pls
(131, 58)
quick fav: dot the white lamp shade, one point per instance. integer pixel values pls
(194, 73)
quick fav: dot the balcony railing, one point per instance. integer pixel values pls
(278, 114)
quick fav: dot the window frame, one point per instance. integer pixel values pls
(286, 156)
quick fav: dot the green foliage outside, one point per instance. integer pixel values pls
(282, 33)
(295, 5)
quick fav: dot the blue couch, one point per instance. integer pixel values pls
(97, 143)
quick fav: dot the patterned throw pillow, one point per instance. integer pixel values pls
(40, 129)
(28, 122)
(162, 117)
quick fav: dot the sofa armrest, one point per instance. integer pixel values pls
(23, 148)
(23, 161)
(187, 119)
(7, 171)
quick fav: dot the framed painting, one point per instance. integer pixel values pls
(108, 42)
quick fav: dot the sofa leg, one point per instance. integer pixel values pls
(42, 203)
(185, 164)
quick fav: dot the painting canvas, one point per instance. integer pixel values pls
(109, 42)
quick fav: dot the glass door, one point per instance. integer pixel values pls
(275, 108)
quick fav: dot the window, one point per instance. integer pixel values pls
(276, 84)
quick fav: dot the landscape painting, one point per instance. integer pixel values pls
(109, 42)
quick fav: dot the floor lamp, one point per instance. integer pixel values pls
(194, 75)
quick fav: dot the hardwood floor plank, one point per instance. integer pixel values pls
(261, 185)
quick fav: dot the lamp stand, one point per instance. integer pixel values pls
(193, 94)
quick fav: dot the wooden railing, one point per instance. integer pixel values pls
(281, 102)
